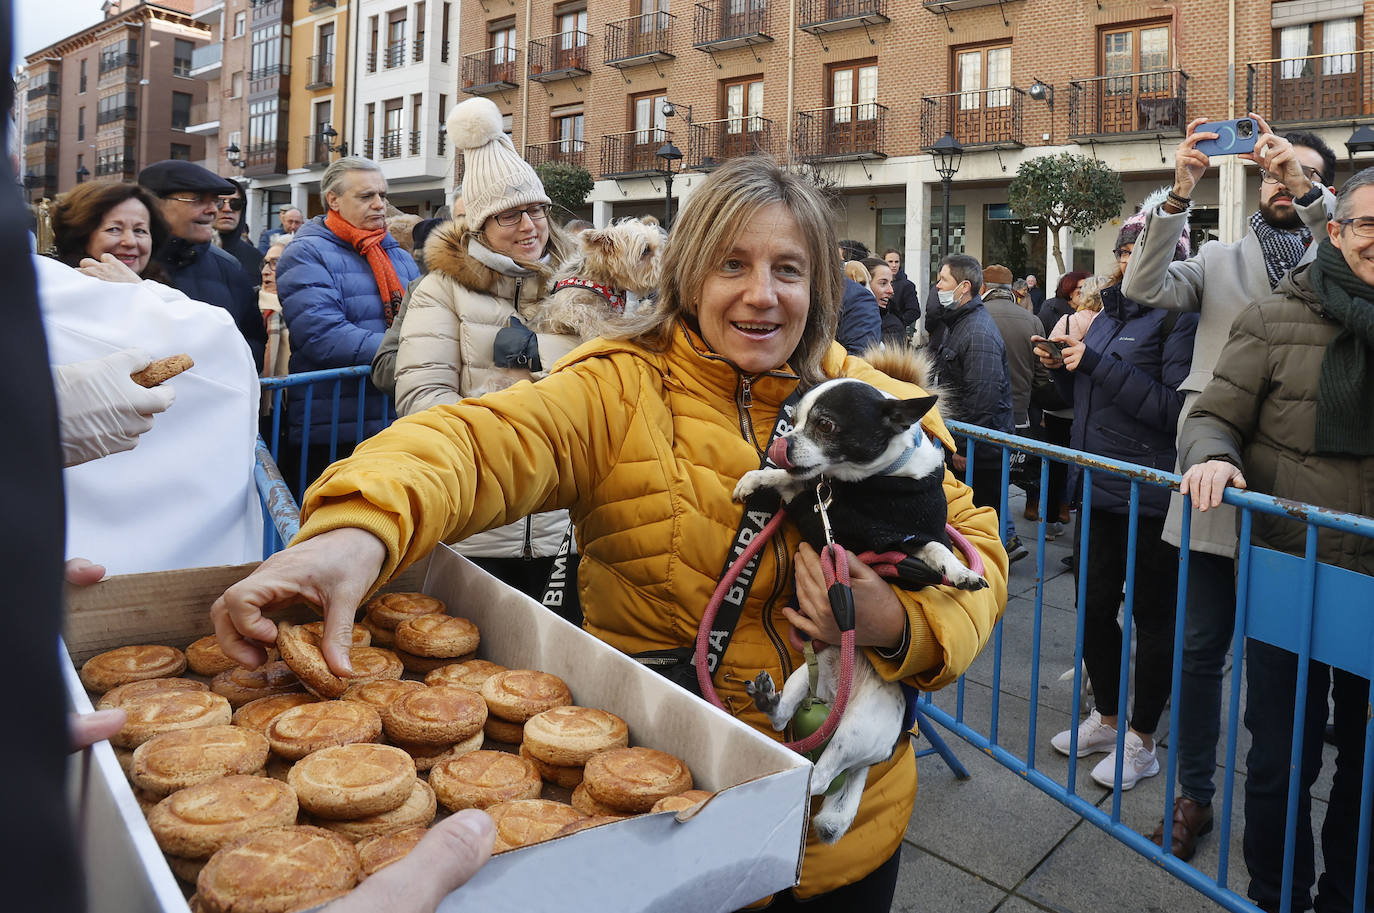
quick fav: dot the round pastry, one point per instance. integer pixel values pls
(125, 759)
(518, 694)
(390, 609)
(423, 665)
(302, 653)
(416, 811)
(297, 732)
(196, 821)
(468, 674)
(187, 870)
(557, 774)
(241, 684)
(163, 711)
(380, 693)
(361, 636)
(116, 696)
(380, 852)
(633, 779)
(373, 664)
(426, 756)
(205, 657)
(351, 781)
(381, 637)
(437, 636)
(568, 736)
(175, 760)
(583, 824)
(585, 803)
(526, 821)
(279, 870)
(146, 801)
(480, 779)
(507, 733)
(681, 801)
(122, 665)
(255, 715)
(441, 715)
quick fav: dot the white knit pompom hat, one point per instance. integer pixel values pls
(495, 177)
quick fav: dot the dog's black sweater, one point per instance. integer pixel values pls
(881, 514)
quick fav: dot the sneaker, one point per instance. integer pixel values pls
(1093, 736)
(1140, 763)
(1015, 550)
(1053, 531)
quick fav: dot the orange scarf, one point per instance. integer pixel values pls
(369, 245)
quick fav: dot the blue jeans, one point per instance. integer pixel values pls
(1271, 683)
(1207, 631)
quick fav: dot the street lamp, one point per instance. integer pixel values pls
(669, 154)
(330, 134)
(1362, 140)
(946, 155)
(82, 173)
(234, 155)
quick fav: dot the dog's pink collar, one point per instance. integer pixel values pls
(615, 299)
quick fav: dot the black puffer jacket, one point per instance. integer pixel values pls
(203, 272)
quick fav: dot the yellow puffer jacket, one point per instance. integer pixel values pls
(644, 449)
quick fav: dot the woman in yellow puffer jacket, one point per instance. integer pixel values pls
(642, 439)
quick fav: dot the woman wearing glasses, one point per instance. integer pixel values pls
(469, 326)
(232, 234)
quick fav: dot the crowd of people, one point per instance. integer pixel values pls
(1242, 364)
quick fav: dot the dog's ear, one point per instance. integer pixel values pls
(597, 239)
(901, 414)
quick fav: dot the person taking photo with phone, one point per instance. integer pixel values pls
(1219, 282)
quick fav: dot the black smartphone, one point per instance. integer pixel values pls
(1233, 136)
(1056, 348)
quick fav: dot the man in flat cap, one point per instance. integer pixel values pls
(188, 197)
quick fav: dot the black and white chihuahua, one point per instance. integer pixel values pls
(887, 494)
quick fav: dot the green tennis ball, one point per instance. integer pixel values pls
(810, 717)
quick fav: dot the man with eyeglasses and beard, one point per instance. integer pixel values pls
(1220, 281)
(188, 197)
(233, 234)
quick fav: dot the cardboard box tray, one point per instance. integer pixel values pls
(742, 845)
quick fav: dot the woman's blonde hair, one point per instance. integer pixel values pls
(709, 225)
(1090, 292)
(855, 270)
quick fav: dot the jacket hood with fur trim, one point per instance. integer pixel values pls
(446, 251)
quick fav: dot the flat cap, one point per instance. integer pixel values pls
(163, 178)
(996, 275)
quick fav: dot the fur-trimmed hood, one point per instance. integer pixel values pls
(448, 251)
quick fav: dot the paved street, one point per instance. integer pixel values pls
(997, 843)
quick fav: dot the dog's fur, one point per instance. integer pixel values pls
(626, 256)
(853, 434)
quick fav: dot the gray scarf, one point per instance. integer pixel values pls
(1282, 248)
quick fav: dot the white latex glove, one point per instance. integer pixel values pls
(102, 410)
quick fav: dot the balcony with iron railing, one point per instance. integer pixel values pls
(321, 4)
(730, 24)
(842, 133)
(821, 16)
(566, 151)
(124, 166)
(391, 144)
(110, 115)
(41, 133)
(45, 90)
(417, 50)
(320, 71)
(491, 70)
(984, 117)
(631, 154)
(1120, 107)
(716, 141)
(394, 55)
(416, 142)
(639, 40)
(317, 150)
(117, 60)
(272, 71)
(268, 157)
(561, 56)
(1312, 90)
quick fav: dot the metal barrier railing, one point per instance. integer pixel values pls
(1315, 611)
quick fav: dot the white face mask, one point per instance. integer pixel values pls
(946, 297)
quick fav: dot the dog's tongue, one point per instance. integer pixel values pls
(777, 452)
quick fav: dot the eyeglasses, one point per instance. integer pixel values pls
(1361, 226)
(1313, 175)
(537, 213)
(1122, 252)
(269, 263)
(234, 203)
(195, 201)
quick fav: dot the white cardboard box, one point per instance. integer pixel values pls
(742, 845)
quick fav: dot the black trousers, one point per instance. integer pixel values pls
(1057, 432)
(870, 894)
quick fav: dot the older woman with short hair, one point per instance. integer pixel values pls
(642, 438)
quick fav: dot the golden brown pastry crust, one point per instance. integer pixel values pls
(361, 636)
(528, 821)
(469, 674)
(480, 779)
(278, 768)
(301, 652)
(163, 711)
(633, 779)
(352, 781)
(279, 870)
(381, 637)
(255, 715)
(185, 757)
(681, 801)
(115, 696)
(557, 774)
(134, 663)
(568, 736)
(204, 657)
(518, 694)
(426, 756)
(390, 609)
(381, 851)
(441, 636)
(297, 732)
(586, 823)
(417, 810)
(503, 731)
(162, 369)
(380, 693)
(186, 870)
(423, 665)
(196, 821)
(241, 684)
(585, 803)
(441, 715)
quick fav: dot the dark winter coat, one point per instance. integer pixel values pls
(905, 303)
(860, 326)
(237, 246)
(1126, 400)
(332, 307)
(1050, 312)
(971, 361)
(203, 272)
